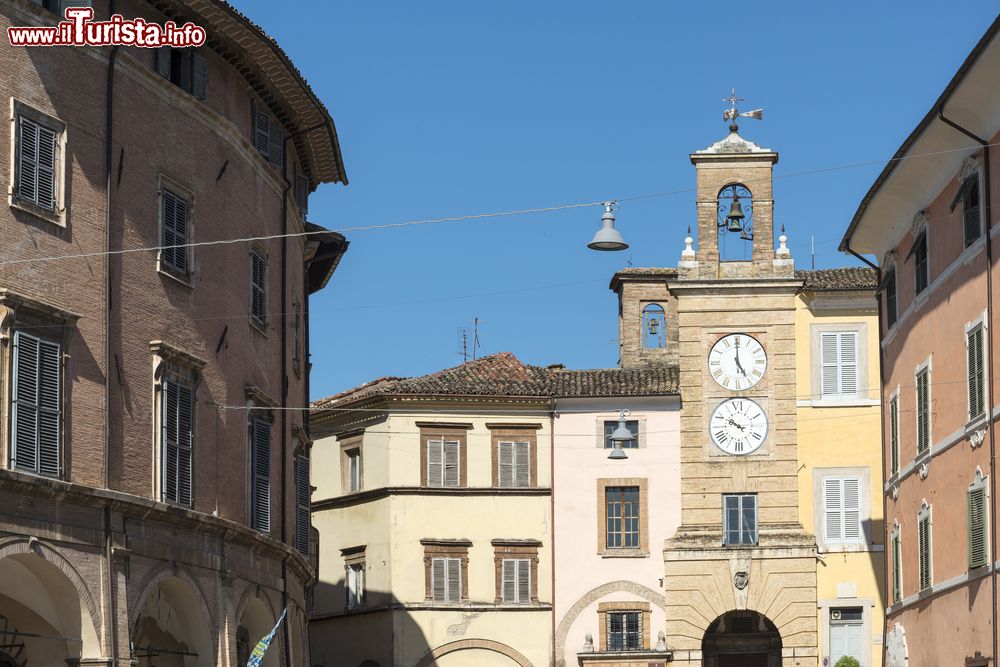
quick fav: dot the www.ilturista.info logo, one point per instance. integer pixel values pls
(80, 30)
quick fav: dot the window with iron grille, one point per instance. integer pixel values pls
(303, 494)
(176, 442)
(514, 463)
(36, 153)
(633, 427)
(890, 297)
(839, 362)
(35, 419)
(446, 579)
(185, 68)
(174, 231)
(921, 265)
(269, 138)
(515, 574)
(894, 434)
(977, 372)
(258, 288)
(924, 548)
(260, 483)
(623, 517)
(979, 552)
(739, 518)
(624, 631)
(897, 566)
(842, 510)
(923, 410)
(443, 462)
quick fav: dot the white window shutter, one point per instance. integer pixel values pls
(524, 581)
(833, 506)
(505, 463)
(852, 510)
(829, 357)
(199, 85)
(438, 568)
(451, 463)
(522, 464)
(848, 363)
(454, 579)
(435, 463)
(509, 578)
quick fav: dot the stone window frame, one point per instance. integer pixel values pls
(354, 558)
(446, 548)
(820, 475)
(504, 549)
(604, 418)
(643, 607)
(924, 514)
(980, 484)
(20, 312)
(172, 363)
(349, 443)
(860, 330)
(456, 431)
(602, 518)
(57, 216)
(894, 450)
(981, 325)
(507, 433)
(867, 606)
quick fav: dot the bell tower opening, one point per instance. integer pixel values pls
(741, 639)
(735, 222)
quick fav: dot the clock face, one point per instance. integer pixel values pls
(737, 362)
(738, 426)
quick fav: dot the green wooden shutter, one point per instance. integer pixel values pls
(924, 546)
(174, 231)
(897, 568)
(262, 132)
(974, 354)
(894, 435)
(923, 412)
(978, 552)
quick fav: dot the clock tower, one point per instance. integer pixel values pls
(740, 571)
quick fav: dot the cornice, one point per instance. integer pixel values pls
(371, 495)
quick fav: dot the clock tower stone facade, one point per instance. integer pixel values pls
(740, 572)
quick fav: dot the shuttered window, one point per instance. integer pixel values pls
(842, 510)
(923, 411)
(260, 463)
(894, 435)
(302, 193)
(174, 231)
(968, 194)
(897, 567)
(514, 463)
(35, 160)
(177, 441)
(921, 264)
(303, 494)
(516, 577)
(978, 549)
(446, 579)
(185, 68)
(839, 359)
(890, 297)
(36, 442)
(269, 138)
(977, 372)
(443, 463)
(258, 288)
(924, 549)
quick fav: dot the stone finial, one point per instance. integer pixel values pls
(588, 644)
(782, 252)
(661, 641)
(688, 254)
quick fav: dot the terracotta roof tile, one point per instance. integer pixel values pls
(852, 278)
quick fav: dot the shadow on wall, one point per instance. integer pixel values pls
(379, 632)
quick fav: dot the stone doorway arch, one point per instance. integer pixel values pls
(742, 638)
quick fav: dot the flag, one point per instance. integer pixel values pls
(261, 648)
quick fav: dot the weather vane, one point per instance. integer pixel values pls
(732, 113)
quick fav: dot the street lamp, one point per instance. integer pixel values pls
(620, 435)
(607, 237)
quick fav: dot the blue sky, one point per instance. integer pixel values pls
(454, 108)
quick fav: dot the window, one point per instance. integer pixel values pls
(443, 454)
(968, 194)
(923, 410)
(353, 457)
(302, 193)
(978, 544)
(624, 631)
(352, 475)
(514, 463)
(185, 68)
(35, 161)
(921, 267)
(889, 283)
(654, 327)
(516, 564)
(739, 519)
(633, 427)
(622, 517)
(842, 510)
(269, 138)
(258, 288)
(846, 632)
(355, 585)
(260, 484)
(446, 580)
(445, 570)
(924, 547)
(176, 442)
(35, 421)
(894, 434)
(303, 495)
(839, 359)
(297, 338)
(897, 566)
(174, 211)
(974, 354)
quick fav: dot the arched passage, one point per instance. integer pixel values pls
(255, 620)
(741, 639)
(46, 611)
(474, 652)
(172, 627)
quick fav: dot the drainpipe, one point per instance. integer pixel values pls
(881, 381)
(989, 335)
(552, 515)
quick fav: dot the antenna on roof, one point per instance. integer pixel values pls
(475, 337)
(468, 341)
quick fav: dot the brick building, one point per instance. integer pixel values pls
(153, 490)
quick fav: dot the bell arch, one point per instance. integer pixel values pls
(735, 220)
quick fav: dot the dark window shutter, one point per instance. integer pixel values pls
(890, 297)
(303, 494)
(27, 159)
(36, 418)
(974, 354)
(260, 518)
(302, 193)
(923, 417)
(73, 3)
(174, 230)
(276, 149)
(258, 287)
(178, 441)
(199, 68)
(924, 540)
(894, 435)
(163, 57)
(46, 168)
(897, 570)
(262, 132)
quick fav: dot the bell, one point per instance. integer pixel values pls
(654, 327)
(736, 209)
(607, 237)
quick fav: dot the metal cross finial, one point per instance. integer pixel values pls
(732, 113)
(732, 99)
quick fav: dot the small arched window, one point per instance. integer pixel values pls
(654, 327)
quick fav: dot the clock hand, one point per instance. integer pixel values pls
(735, 424)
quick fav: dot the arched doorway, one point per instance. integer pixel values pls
(741, 639)
(255, 621)
(172, 628)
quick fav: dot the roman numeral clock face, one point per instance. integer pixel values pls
(738, 426)
(737, 362)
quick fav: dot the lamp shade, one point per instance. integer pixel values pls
(607, 237)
